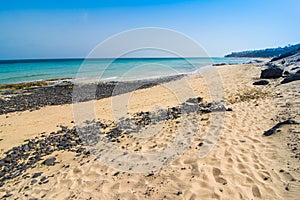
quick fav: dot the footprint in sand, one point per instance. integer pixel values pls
(255, 191)
(216, 174)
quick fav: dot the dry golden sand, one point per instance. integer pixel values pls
(242, 164)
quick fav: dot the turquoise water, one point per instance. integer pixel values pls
(15, 71)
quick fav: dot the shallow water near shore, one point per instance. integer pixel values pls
(15, 71)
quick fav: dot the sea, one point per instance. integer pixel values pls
(121, 69)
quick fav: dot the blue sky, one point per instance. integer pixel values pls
(57, 29)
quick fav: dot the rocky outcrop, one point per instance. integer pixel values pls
(291, 78)
(272, 71)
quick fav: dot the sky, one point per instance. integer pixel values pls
(71, 29)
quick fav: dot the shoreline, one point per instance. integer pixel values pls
(69, 68)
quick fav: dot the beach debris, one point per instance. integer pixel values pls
(277, 126)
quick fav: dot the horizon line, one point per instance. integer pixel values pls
(20, 60)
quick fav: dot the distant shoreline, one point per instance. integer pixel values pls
(8, 61)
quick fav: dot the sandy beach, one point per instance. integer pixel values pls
(243, 164)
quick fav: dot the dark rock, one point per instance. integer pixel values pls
(7, 195)
(273, 71)
(219, 64)
(291, 78)
(287, 188)
(150, 174)
(229, 109)
(43, 180)
(49, 161)
(33, 181)
(35, 175)
(286, 73)
(179, 193)
(274, 128)
(194, 100)
(116, 174)
(261, 82)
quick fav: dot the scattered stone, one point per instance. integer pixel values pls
(200, 144)
(33, 181)
(150, 174)
(274, 128)
(229, 109)
(116, 174)
(261, 82)
(49, 161)
(194, 100)
(43, 180)
(287, 187)
(35, 175)
(20, 158)
(7, 195)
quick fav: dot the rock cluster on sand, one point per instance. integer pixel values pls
(34, 98)
(283, 66)
(18, 159)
